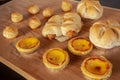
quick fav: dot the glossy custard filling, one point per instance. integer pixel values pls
(29, 42)
(56, 57)
(97, 66)
(81, 44)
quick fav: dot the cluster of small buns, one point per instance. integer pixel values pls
(90, 9)
(105, 34)
(62, 27)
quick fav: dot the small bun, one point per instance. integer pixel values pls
(34, 22)
(16, 17)
(66, 6)
(105, 34)
(90, 9)
(48, 12)
(33, 9)
(10, 32)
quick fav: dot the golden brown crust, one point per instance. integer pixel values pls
(66, 5)
(97, 70)
(33, 9)
(51, 36)
(105, 34)
(10, 32)
(70, 33)
(16, 17)
(48, 12)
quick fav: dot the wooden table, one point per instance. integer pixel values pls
(32, 67)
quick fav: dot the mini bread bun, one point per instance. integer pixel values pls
(33, 9)
(79, 46)
(34, 22)
(105, 34)
(16, 17)
(66, 5)
(90, 9)
(96, 68)
(48, 12)
(55, 59)
(10, 32)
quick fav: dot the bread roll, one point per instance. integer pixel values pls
(62, 27)
(71, 24)
(52, 27)
(33, 9)
(90, 9)
(10, 32)
(66, 5)
(16, 17)
(48, 12)
(105, 34)
(34, 22)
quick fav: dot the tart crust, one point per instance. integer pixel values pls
(79, 46)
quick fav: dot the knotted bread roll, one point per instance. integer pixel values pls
(105, 34)
(62, 27)
(90, 9)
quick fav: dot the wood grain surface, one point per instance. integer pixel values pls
(32, 67)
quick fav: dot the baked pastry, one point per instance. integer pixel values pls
(33, 9)
(10, 32)
(105, 34)
(34, 22)
(90, 9)
(66, 5)
(96, 68)
(71, 25)
(16, 17)
(62, 27)
(48, 12)
(79, 46)
(27, 45)
(52, 27)
(55, 59)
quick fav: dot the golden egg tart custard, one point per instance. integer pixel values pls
(79, 46)
(27, 44)
(55, 59)
(96, 68)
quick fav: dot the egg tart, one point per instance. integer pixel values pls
(96, 68)
(55, 59)
(27, 45)
(79, 46)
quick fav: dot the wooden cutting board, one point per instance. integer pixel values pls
(32, 67)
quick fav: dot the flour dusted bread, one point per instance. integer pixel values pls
(105, 34)
(90, 9)
(62, 27)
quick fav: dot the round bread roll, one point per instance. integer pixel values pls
(16, 17)
(33, 9)
(10, 32)
(90, 9)
(66, 6)
(48, 12)
(105, 34)
(55, 59)
(34, 22)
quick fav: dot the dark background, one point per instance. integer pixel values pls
(8, 74)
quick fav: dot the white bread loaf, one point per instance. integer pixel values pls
(105, 34)
(90, 9)
(62, 27)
